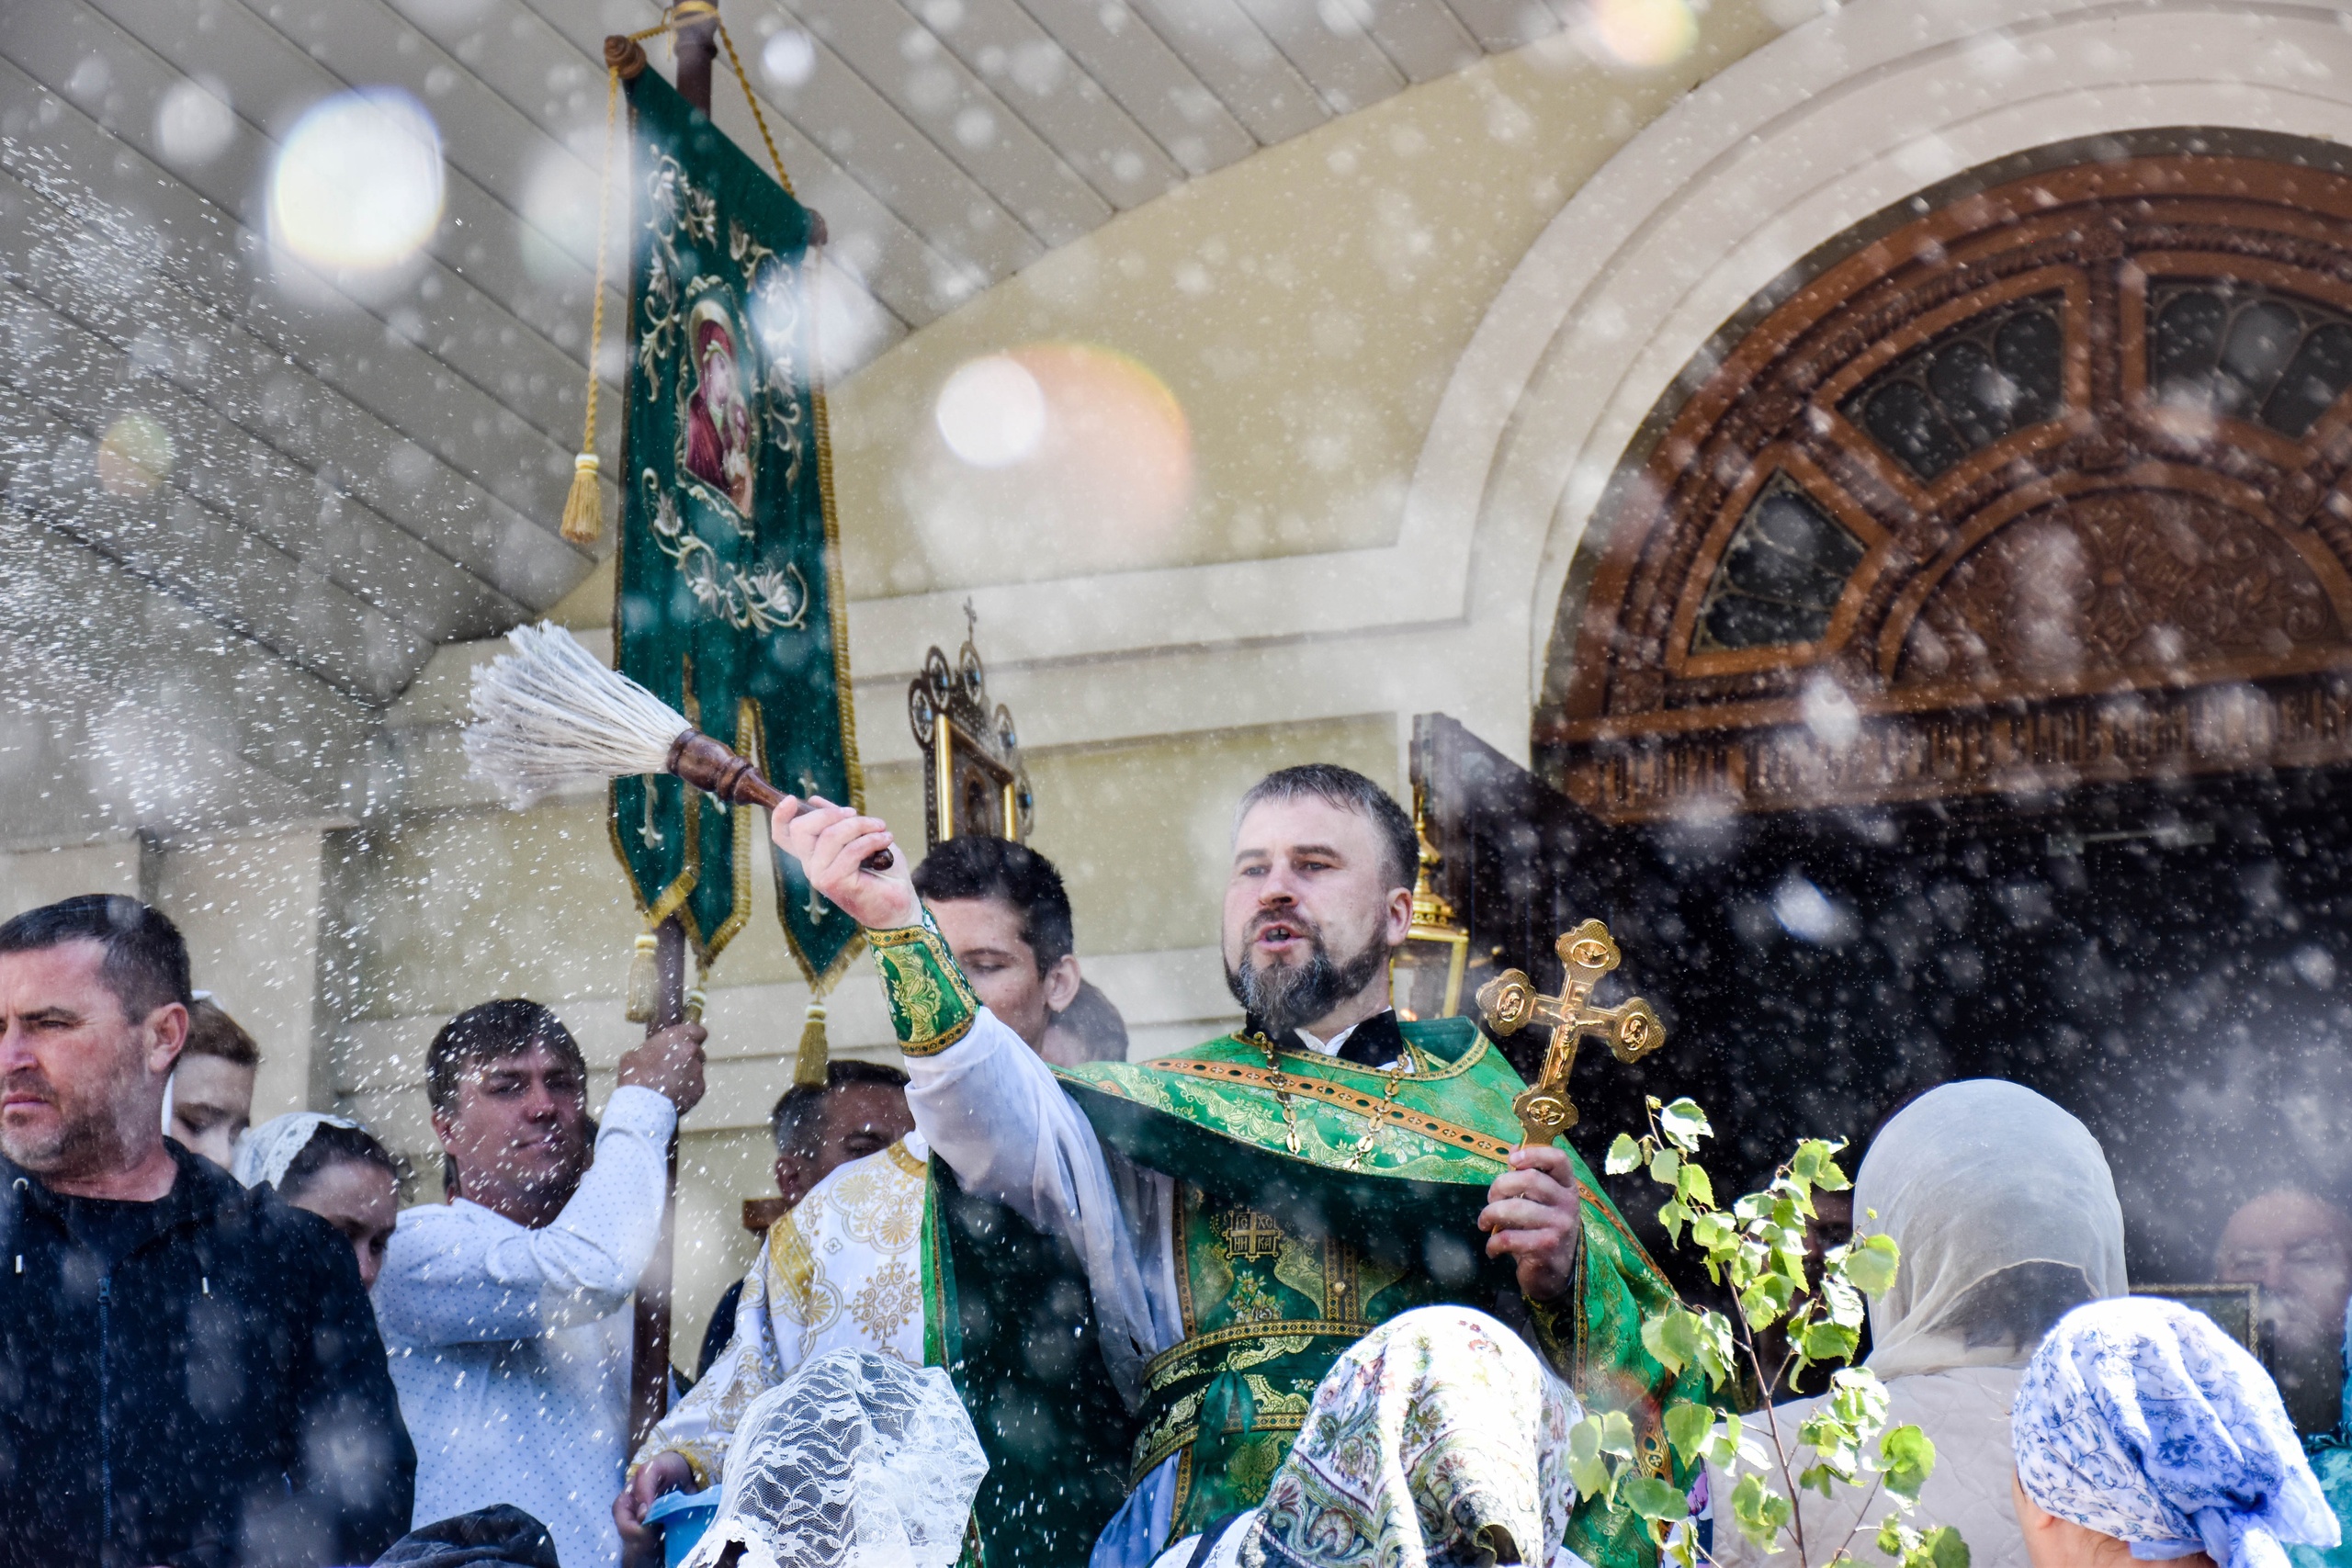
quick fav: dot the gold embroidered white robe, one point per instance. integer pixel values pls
(841, 1270)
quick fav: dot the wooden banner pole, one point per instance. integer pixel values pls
(697, 42)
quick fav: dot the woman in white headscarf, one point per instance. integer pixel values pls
(333, 1167)
(2005, 1213)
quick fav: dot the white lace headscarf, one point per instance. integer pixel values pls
(856, 1460)
(1998, 1200)
(265, 1152)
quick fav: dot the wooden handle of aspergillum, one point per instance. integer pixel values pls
(712, 767)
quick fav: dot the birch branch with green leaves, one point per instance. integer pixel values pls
(1758, 1250)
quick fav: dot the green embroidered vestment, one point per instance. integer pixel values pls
(1316, 1198)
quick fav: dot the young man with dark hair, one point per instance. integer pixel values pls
(209, 1102)
(1003, 911)
(843, 1267)
(193, 1374)
(507, 1306)
(1249, 1210)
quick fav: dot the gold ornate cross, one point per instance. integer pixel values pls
(1510, 1002)
(1249, 1234)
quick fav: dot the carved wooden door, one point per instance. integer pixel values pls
(2039, 481)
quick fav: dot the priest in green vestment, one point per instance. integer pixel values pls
(1246, 1211)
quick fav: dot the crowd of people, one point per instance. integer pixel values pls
(1004, 1277)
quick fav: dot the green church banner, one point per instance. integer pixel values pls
(728, 600)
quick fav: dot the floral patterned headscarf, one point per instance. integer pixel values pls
(2141, 1420)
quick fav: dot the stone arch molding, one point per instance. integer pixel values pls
(1728, 194)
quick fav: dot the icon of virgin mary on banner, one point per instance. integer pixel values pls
(729, 602)
(718, 422)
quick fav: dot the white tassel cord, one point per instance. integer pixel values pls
(549, 717)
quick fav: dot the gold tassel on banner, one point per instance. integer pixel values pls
(644, 990)
(584, 508)
(810, 1066)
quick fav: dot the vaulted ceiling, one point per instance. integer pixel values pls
(326, 480)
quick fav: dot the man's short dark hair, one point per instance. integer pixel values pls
(978, 866)
(146, 959)
(793, 1119)
(491, 1033)
(212, 1032)
(1351, 791)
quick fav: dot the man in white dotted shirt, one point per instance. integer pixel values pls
(506, 1310)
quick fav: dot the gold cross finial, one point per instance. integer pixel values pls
(1510, 1002)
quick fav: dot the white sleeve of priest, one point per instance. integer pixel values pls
(995, 1112)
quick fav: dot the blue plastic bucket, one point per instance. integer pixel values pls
(683, 1516)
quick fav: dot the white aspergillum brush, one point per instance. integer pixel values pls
(549, 716)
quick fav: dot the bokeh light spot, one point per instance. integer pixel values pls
(1644, 32)
(194, 123)
(1089, 465)
(134, 457)
(358, 182)
(789, 57)
(992, 412)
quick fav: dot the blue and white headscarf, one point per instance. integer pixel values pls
(2141, 1420)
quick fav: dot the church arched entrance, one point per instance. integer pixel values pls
(1956, 680)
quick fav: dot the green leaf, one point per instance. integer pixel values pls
(1858, 1398)
(1943, 1548)
(1896, 1538)
(1687, 1427)
(1617, 1434)
(1828, 1342)
(1623, 1155)
(1758, 1511)
(1655, 1341)
(1717, 1354)
(1685, 1123)
(1841, 1302)
(1711, 1230)
(1663, 1164)
(1757, 1305)
(1907, 1455)
(1655, 1499)
(1587, 1470)
(1869, 1264)
(1691, 1185)
(1819, 1478)
(1673, 1215)
(1723, 1448)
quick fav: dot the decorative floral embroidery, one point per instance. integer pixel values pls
(888, 1299)
(1432, 1433)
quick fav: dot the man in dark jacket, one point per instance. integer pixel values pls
(189, 1372)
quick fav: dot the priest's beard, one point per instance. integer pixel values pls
(1283, 997)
